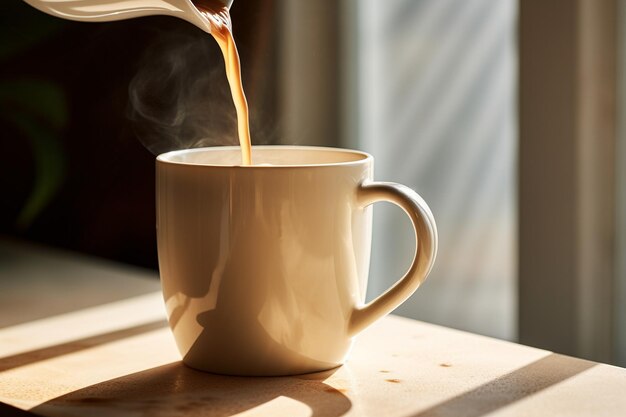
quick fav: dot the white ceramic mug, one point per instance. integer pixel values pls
(264, 267)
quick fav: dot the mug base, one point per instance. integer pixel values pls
(260, 372)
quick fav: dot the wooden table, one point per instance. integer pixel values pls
(117, 357)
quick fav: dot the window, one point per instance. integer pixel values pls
(532, 229)
(436, 105)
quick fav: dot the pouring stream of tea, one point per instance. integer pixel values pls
(212, 16)
(220, 26)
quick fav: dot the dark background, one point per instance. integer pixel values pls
(73, 173)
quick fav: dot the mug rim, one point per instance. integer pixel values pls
(165, 157)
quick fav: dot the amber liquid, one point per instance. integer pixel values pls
(219, 23)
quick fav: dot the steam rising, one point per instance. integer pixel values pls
(179, 98)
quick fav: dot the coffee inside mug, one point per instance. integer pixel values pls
(264, 156)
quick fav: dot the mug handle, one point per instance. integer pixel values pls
(425, 228)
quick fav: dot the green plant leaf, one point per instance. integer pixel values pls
(50, 167)
(38, 109)
(42, 99)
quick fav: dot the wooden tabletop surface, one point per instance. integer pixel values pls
(116, 357)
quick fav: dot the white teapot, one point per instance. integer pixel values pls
(108, 10)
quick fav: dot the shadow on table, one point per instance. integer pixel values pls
(49, 352)
(39, 282)
(509, 388)
(10, 411)
(175, 389)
